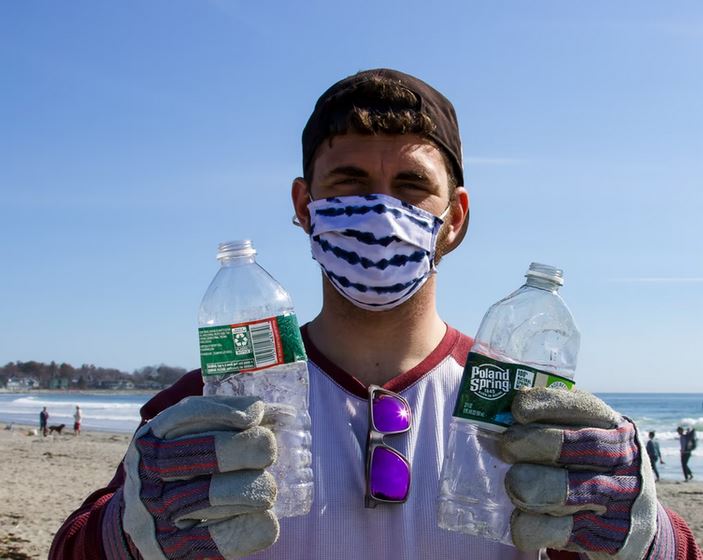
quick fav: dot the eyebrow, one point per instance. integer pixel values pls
(348, 171)
(353, 171)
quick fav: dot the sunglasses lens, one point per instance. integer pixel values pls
(389, 477)
(390, 414)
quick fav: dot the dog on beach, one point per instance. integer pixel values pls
(58, 428)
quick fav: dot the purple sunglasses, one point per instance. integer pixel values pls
(387, 471)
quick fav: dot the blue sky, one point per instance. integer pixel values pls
(135, 136)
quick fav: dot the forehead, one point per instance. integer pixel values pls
(382, 153)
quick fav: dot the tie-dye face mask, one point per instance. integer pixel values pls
(376, 250)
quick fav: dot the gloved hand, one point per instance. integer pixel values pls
(579, 482)
(195, 485)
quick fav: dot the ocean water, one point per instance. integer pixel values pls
(661, 412)
(100, 411)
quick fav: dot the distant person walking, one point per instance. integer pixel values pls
(77, 421)
(688, 441)
(654, 453)
(43, 420)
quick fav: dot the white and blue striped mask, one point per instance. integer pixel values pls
(376, 250)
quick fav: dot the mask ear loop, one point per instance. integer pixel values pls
(441, 217)
(295, 220)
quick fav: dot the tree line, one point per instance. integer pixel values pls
(87, 376)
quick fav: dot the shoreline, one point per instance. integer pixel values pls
(50, 477)
(81, 391)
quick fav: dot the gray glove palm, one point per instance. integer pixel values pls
(195, 481)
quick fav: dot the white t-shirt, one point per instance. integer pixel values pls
(339, 527)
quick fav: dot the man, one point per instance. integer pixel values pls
(382, 200)
(654, 454)
(687, 441)
(77, 417)
(43, 420)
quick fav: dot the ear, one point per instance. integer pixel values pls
(300, 193)
(458, 218)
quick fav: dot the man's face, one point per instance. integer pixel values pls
(407, 167)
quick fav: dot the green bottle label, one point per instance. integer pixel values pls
(488, 387)
(252, 346)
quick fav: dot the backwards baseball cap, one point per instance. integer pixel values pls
(351, 93)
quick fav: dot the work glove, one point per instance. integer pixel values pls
(195, 485)
(579, 482)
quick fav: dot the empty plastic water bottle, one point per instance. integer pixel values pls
(250, 344)
(527, 339)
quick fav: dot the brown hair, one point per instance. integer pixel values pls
(375, 103)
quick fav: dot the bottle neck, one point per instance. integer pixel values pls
(541, 284)
(237, 260)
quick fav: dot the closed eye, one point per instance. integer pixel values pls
(413, 186)
(412, 180)
(346, 175)
(348, 181)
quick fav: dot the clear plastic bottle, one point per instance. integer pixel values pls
(250, 344)
(527, 339)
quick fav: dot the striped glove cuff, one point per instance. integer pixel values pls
(664, 546)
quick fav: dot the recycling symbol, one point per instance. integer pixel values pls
(240, 340)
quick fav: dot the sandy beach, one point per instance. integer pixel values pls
(45, 479)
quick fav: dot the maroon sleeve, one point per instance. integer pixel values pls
(80, 536)
(686, 546)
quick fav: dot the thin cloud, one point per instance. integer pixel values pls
(661, 280)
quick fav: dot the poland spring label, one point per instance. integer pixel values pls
(247, 347)
(488, 387)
